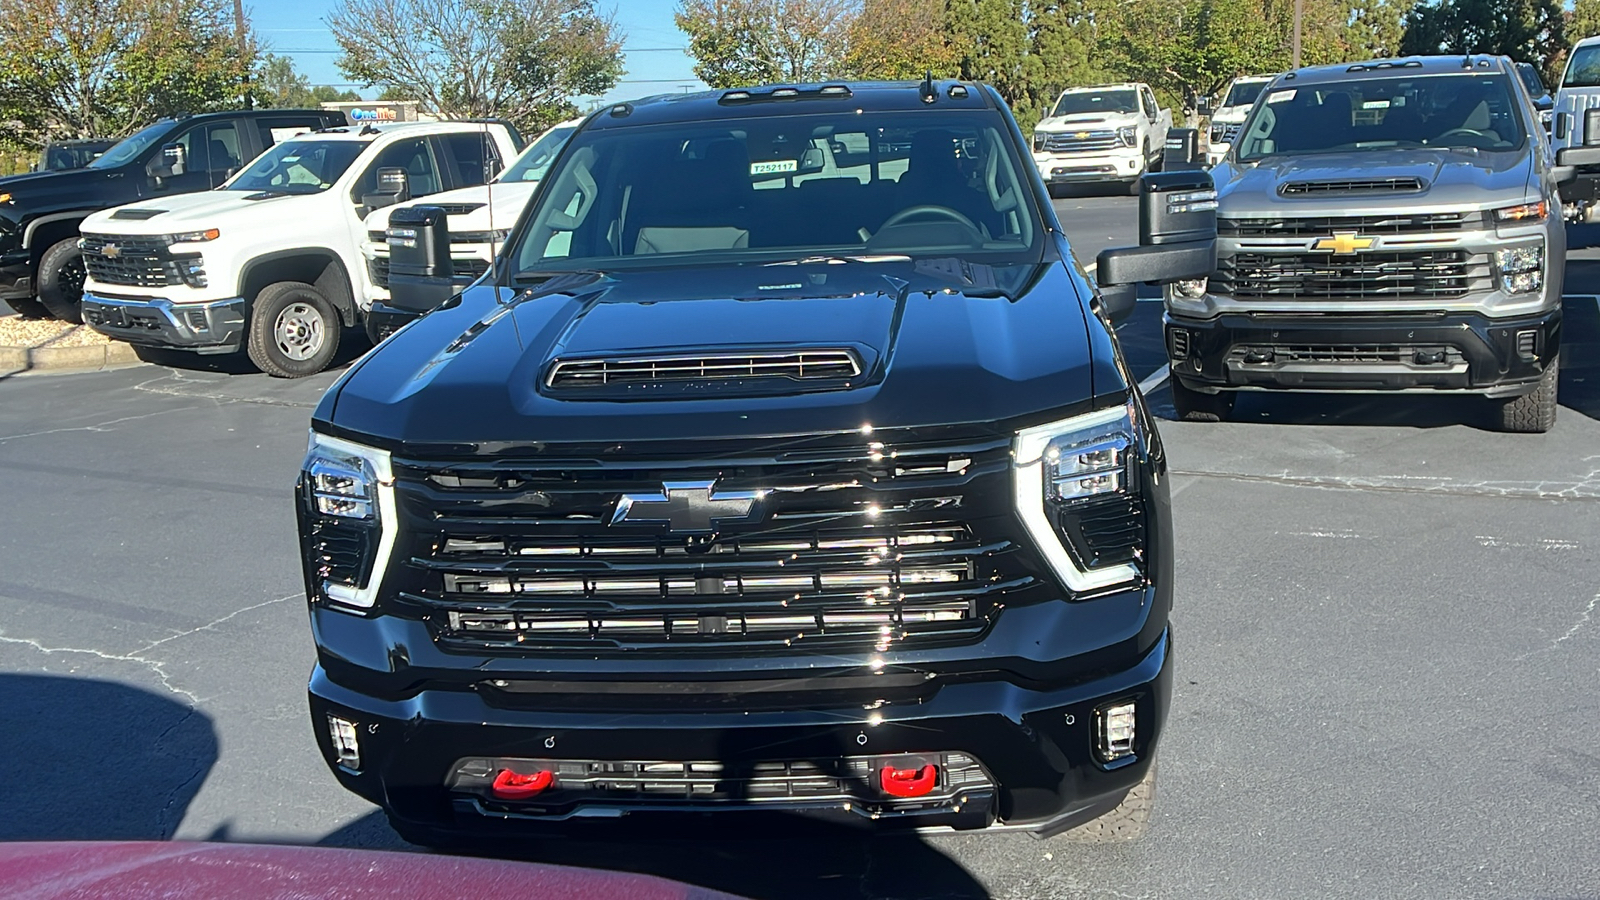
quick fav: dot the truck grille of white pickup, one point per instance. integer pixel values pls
(1327, 226)
(1428, 274)
(1090, 142)
(378, 269)
(860, 553)
(136, 262)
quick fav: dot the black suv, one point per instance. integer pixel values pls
(784, 464)
(41, 267)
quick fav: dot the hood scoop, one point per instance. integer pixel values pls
(140, 214)
(1400, 185)
(456, 209)
(714, 372)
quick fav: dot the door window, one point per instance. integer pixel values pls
(211, 151)
(412, 155)
(281, 129)
(475, 156)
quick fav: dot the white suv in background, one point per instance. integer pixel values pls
(480, 217)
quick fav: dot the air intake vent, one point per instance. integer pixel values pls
(140, 214)
(798, 365)
(1352, 186)
(458, 209)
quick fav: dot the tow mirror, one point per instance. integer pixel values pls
(1177, 233)
(421, 274)
(1203, 106)
(1182, 150)
(170, 163)
(394, 186)
(1578, 156)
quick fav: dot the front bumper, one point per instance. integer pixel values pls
(384, 320)
(1465, 352)
(1080, 168)
(16, 275)
(1035, 744)
(216, 327)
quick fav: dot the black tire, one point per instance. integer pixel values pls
(61, 277)
(1128, 822)
(1533, 413)
(294, 330)
(1193, 406)
(29, 308)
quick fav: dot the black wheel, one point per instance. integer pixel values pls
(1194, 406)
(1128, 822)
(61, 277)
(294, 330)
(29, 308)
(1533, 413)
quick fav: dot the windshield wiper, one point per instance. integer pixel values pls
(841, 260)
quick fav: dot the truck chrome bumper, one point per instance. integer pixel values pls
(216, 327)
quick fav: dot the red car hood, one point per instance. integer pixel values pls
(150, 870)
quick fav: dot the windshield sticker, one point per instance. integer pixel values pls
(1281, 96)
(775, 167)
(279, 135)
(1375, 104)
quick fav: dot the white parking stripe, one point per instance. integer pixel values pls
(1155, 379)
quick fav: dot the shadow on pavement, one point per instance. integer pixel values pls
(97, 760)
(807, 860)
(352, 344)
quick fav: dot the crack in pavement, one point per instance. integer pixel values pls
(1584, 488)
(154, 386)
(99, 426)
(1584, 618)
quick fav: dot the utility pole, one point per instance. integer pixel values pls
(244, 78)
(1299, 7)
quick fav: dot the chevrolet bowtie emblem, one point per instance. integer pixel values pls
(111, 250)
(689, 506)
(1081, 135)
(1346, 243)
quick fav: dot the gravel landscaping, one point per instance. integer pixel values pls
(34, 334)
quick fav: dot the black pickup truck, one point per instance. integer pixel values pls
(41, 268)
(785, 465)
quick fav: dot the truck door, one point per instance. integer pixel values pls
(416, 156)
(212, 152)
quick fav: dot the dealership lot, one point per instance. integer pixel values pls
(1386, 627)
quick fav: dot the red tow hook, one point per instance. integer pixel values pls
(908, 782)
(509, 785)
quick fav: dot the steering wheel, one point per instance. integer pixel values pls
(1472, 131)
(927, 209)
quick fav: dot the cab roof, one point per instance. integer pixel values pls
(371, 130)
(794, 100)
(1411, 66)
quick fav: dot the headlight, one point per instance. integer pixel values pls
(348, 520)
(480, 237)
(194, 237)
(1128, 135)
(1521, 268)
(1192, 289)
(1216, 134)
(1523, 212)
(1077, 493)
(1038, 141)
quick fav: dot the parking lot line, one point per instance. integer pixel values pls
(1155, 379)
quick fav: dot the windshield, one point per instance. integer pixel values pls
(1075, 102)
(1244, 93)
(132, 146)
(1531, 80)
(536, 160)
(1583, 70)
(772, 188)
(1456, 111)
(298, 167)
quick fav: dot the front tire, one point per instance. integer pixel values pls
(1128, 822)
(1194, 406)
(61, 277)
(294, 330)
(1533, 413)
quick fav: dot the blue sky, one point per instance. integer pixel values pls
(655, 58)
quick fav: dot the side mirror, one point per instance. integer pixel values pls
(1182, 150)
(394, 186)
(1561, 125)
(1203, 106)
(421, 273)
(1545, 103)
(1177, 232)
(170, 163)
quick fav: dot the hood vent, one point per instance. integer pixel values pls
(141, 214)
(805, 366)
(456, 209)
(1407, 185)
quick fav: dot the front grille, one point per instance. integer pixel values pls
(1429, 274)
(1225, 133)
(858, 552)
(1349, 354)
(1082, 142)
(800, 365)
(378, 269)
(1390, 223)
(138, 262)
(1352, 186)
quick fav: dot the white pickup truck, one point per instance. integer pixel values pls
(480, 217)
(271, 261)
(1229, 114)
(1111, 132)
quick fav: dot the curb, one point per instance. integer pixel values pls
(14, 360)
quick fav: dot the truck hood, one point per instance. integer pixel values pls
(1086, 120)
(62, 188)
(1230, 115)
(932, 353)
(1452, 180)
(182, 212)
(508, 201)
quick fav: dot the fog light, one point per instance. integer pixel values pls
(345, 744)
(1114, 731)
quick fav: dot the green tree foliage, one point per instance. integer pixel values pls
(1374, 28)
(1584, 20)
(1525, 30)
(278, 84)
(102, 68)
(524, 60)
(992, 39)
(1065, 50)
(748, 42)
(895, 40)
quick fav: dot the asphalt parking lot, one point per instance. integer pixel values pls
(1387, 639)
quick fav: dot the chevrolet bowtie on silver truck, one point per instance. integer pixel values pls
(1113, 132)
(1388, 226)
(774, 470)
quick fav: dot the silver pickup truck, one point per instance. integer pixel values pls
(1389, 226)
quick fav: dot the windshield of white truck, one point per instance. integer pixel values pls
(1077, 102)
(1244, 93)
(298, 167)
(786, 187)
(132, 146)
(1467, 112)
(1584, 68)
(536, 160)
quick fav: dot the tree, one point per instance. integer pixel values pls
(1192, 48)
(896, 40)
(1584, 20)
(523, 60)
(277, 83)
(101, 68)
(1374, 28)
(1525, 30)
(327, 93)
(1064, 51)
(992, 37)
(747, 42)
